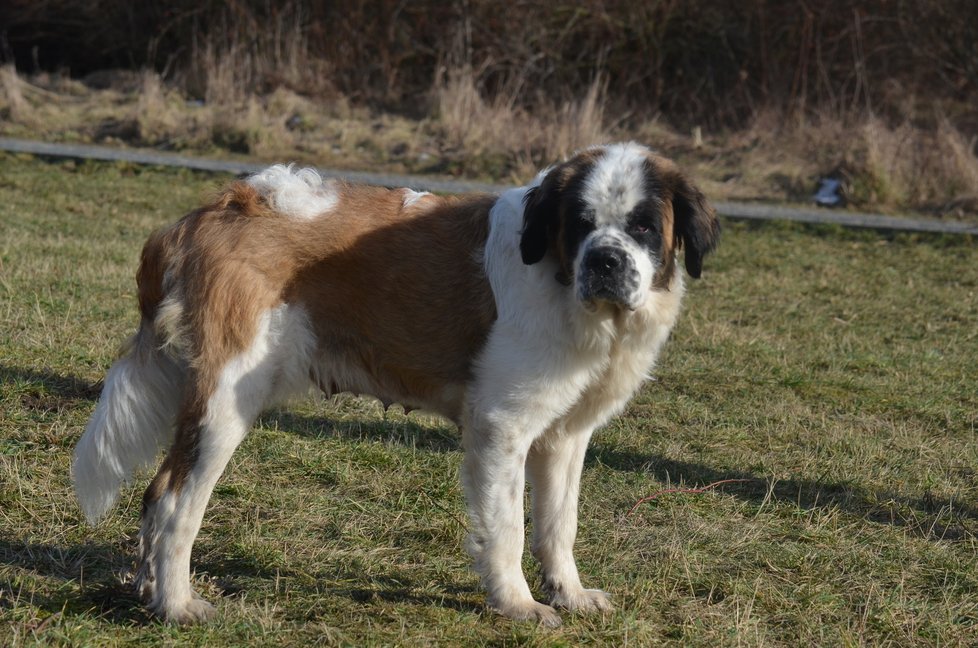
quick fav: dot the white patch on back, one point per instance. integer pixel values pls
(411, 196)
(616, 183)
(298, 193)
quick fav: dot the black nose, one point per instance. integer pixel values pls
(607, 259)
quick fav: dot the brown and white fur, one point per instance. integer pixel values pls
(528, 319)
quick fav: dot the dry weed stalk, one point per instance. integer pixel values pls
(11, 95)
(155, 117)
(576, 123)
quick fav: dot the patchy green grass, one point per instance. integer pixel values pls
(832, 372)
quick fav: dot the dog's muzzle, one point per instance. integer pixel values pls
(608, 274)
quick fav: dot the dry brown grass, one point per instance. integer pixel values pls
(699, 62)
(906, 164)
(499, 128)
(885, 166)
(158, 114)
(778, 95)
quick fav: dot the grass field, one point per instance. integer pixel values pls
(832, 373)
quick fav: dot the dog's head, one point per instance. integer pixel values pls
(613, 218)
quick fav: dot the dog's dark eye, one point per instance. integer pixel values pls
(640, 229)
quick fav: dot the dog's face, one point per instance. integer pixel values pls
(613, 218)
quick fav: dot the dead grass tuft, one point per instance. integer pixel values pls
(247, 59)
(12, 100)
(904, 163)
(889, 166)
(574, 123)
(158, 113)
(883, 166)
(500, 128)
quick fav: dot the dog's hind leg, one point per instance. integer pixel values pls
(173, 508)
(212, 424)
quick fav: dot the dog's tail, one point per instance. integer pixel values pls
(133, 419)
(136, 413)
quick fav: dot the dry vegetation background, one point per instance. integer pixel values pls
(760, 98)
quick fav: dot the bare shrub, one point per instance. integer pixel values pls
(574, 123)
(959, 159)
(882, 165)
(226, 73)
(699, 62)
(778, 94)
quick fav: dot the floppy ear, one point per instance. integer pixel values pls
(539, 219)
(696, 225)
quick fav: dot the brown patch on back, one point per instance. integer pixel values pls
(156, 258)
(400, 292)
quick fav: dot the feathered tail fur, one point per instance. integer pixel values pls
(134, 418)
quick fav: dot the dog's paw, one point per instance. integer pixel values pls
(582, 600)
(530, 611)
(193, 610)
(143, 585)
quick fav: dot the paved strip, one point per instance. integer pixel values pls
(735, 210)
(754, 211)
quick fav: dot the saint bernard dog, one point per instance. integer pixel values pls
(528, 319)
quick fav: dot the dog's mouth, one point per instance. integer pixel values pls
(593, 292)
(619, 289)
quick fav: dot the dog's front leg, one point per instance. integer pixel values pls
(554, 468)
(493, 478)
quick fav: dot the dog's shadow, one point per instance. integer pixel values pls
(49, 391)
(925, 515)
(432, 435)
(110, 599)
(113, 599)
(229, 579)
(928, 516)
(459, 599)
